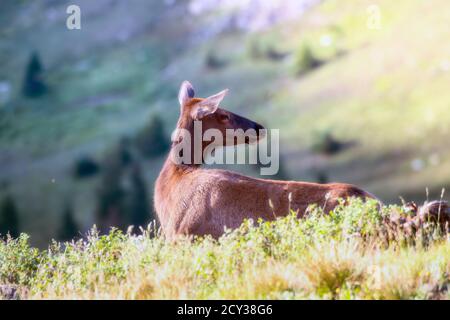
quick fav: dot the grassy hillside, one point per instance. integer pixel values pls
(385, 90)
(349, 254)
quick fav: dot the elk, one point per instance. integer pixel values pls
(193, 201)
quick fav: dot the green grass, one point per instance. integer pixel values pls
(348, 254)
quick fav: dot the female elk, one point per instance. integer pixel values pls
(191, 200)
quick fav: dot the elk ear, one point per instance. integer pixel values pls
(208, 105)
(186, 93)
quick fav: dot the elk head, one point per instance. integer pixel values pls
(198, 116)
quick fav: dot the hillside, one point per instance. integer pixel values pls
(385, 90)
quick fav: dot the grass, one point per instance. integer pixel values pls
(348, 254)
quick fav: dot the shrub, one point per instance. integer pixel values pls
(212, 61)
(258, 50)
(325, 143)
(305, 60)
(18, 261)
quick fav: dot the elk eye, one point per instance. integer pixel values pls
(224, 117)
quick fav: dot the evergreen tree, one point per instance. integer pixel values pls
(305, 60)
(69, 228)
(152, 141)
(85, 167)
(214, 62)
(123, 195)
(321, 177)
(111, 211)
(139, 202)
(34, 85)
(326, 144)
(9, 219)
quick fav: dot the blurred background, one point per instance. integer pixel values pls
(360, 91)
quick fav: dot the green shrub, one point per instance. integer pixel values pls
(305, 60)
(258, 49)
(212, 61)
(33, 84)
(18, 261)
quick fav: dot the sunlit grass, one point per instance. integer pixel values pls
(348, 254)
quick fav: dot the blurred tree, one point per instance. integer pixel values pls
(214, 62)
(86, 167)
(321, 176)
(111, 193)
(140, 211)
(274, 54)
(305, 60)
(69, 228)
(254, 48)
(326, 144)
(123, 197)
(34, 85)
(151, 140)
(125, 153)
(9, 218)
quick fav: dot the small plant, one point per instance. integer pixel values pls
(18, 261)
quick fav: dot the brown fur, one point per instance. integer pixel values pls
(190, 200)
